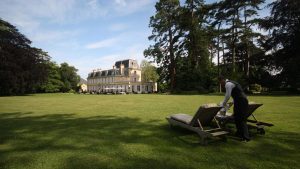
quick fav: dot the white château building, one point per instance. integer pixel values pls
(125, 76)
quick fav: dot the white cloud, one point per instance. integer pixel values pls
(126, 7)
(121, 2)
(54, 11)
(30, 13)
(103, 43)
(51, 36)
(118, 27)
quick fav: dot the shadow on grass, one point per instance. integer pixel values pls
(69, 141)
(92, 142)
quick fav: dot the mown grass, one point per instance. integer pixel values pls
(130, 131)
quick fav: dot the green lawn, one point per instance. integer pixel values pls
(130, 131)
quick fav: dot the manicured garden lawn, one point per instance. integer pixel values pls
(130, 131)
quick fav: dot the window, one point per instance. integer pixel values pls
(138, 88)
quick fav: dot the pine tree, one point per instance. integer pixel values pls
(284, 41)
(166, 34)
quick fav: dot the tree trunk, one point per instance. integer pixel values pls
(218, 55)
(172, 61)
(233, 45)
(233, 55)
(247, 69)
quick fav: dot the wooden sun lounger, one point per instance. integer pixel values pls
(200, 123)
(252, 123)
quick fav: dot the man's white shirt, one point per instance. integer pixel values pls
(228, 86)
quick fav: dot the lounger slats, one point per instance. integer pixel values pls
(252, 124)
(219, 133)
(200, 122)
(205, 115)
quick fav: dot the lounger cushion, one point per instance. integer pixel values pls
(209, 105)
(185, 118)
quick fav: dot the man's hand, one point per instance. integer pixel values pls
(223, 111)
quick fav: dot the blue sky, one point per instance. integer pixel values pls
(88, 34)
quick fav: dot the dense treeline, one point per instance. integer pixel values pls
(26, 69)
(60, 78)
(188, 37)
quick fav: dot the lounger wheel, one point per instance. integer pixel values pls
(261, 131)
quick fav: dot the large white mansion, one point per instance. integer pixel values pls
(125, 76)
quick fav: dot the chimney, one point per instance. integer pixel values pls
(122, 69)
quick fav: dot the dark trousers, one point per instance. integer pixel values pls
(240, 116)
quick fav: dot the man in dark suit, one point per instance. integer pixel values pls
(241, 106)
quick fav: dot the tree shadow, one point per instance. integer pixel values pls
(69, 141)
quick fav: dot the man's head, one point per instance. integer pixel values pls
(221, 79)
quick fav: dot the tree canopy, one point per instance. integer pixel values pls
(22, 67)
(188, 36)
(26, 69)
(149, 73)
(284, 41)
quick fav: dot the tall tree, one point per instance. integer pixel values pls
(166, 34)
(22, 67)
(232, 11)
(284, 40)
(237, 18)
(217, 19)
(250, 12)
(195, 65)
(197, 38)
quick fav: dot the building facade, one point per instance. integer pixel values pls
(124, 77)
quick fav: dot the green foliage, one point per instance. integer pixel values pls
(166, 34)
(61, 78)
(163, 87)
(69, 77)
(22, 67)
(25, 69)
(191, 79)
(178, 35)
(255, 88)
(188, 36)
(53, 83)
(149, 73)
(284, 41)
